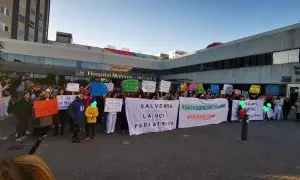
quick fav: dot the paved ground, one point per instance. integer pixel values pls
(212, 152)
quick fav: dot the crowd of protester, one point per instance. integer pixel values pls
(86, 112)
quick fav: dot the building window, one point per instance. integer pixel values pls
(60, 62)
(32, 11)
(15, 58)
(34, 59)
(4, 11)
(39, 75)
(20, 33)
(3, 27)
(253, 60)
(31, 24)
(226, 64)
(92, 65)
(30, 37)
(21, 18)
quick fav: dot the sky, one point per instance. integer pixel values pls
(161, 26)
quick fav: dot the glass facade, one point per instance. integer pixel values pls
(241, 62)
(54, 61)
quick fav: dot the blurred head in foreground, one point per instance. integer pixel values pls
(25, 167)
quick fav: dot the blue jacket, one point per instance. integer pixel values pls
(79, 107)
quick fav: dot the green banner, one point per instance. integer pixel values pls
(130, 85)
(200, 89)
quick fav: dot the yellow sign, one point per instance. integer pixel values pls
(121, 68)
(254, 89)
(184, 87)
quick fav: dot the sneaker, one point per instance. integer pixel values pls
(19, 140)
(86, 138)
(28, 133)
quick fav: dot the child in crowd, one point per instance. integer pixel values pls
(91, 114)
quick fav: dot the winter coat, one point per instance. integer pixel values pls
(91, 114)
(79, 107)
(23, 109)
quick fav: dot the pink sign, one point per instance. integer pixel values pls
(237, 92)
(192, 86)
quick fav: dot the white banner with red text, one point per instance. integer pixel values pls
(201, 112)
(254, 109)
(145, 116)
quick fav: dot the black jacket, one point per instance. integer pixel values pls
(22, 108)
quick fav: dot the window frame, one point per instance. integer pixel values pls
(21, 18)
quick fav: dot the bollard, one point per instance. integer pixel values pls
(36, 144)
(244, 134)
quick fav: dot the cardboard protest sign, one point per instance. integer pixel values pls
(184, 87)
(113, 105)
(164, 86)
(192, 86)
(228, 88)
(45, 108)
(98, 89)
(64, 101)
(245, 94)
(214, 89)
(130, 85)
(72, 87)
(237, 92)
(200, 89)
(254, 89)
(110, 86)
(148, 86)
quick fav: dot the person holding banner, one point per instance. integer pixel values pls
(23, 111)
(111, 121)
(45, 122)
(278, 107)
(62, 117)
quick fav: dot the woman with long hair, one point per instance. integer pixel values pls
(25, 167)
